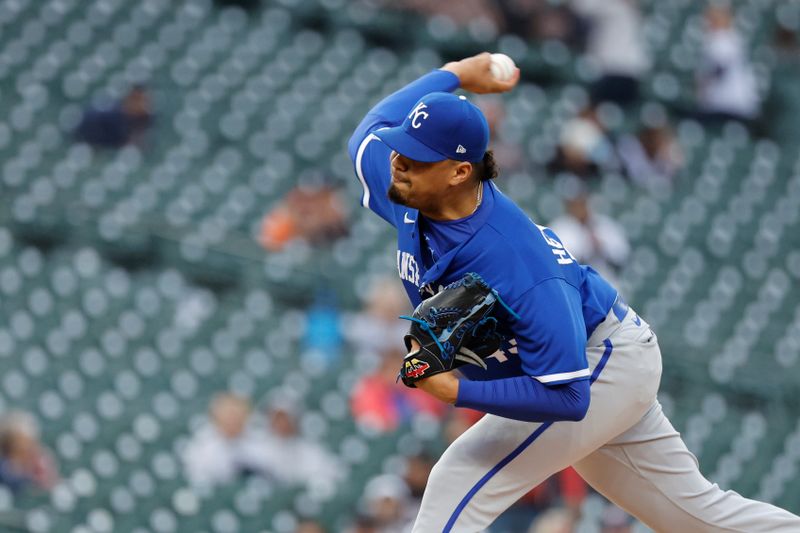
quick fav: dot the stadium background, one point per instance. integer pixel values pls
(133, 287)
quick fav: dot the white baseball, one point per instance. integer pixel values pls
(502, 67)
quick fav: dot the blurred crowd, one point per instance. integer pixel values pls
(608, 134)
(235, 442)
(610, 35)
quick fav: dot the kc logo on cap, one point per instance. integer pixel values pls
(440, 126)
(418, 114)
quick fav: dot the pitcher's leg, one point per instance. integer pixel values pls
(649, 472)
(474, 482)
(498, 460)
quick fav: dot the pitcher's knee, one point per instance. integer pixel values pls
(438, 472)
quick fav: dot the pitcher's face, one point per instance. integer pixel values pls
(417, 184)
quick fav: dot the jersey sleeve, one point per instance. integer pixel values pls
(371, 163)
(370, 156)
(523, 398)
(550, 333)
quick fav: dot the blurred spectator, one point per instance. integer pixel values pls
(584, 147)
(225, 447)
(386, 499)
(363, 524)
(507, 154)
(376, 328)
(617, 48)
(593, 239)
(312, 213)
(726, 84)
(466, 13)
(309, 526)
(615, 520)
(528, 19)
(322, 339)
(782, 106)
(518, 16)
(555, 520)
(24, 461)
(289, 457)
(785, 44)
(542, 20)
(558, 21)
(418, 469)
(378, 402)
(652, 155)
(125, 122)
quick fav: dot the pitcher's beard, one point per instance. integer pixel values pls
(395, 195)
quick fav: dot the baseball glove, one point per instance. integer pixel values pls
(452, 328)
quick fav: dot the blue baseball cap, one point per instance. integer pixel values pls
(440, 126)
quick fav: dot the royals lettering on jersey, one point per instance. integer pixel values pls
(559, 301)
(408, 268)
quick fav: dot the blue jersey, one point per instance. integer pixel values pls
(559, 301)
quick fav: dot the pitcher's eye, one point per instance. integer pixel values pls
(420, 165)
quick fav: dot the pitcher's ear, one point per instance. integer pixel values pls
(461, 172)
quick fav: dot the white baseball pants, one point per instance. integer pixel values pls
(625, 448)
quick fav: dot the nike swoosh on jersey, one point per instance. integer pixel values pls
(408, 220)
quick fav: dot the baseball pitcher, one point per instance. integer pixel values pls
(566, 371)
